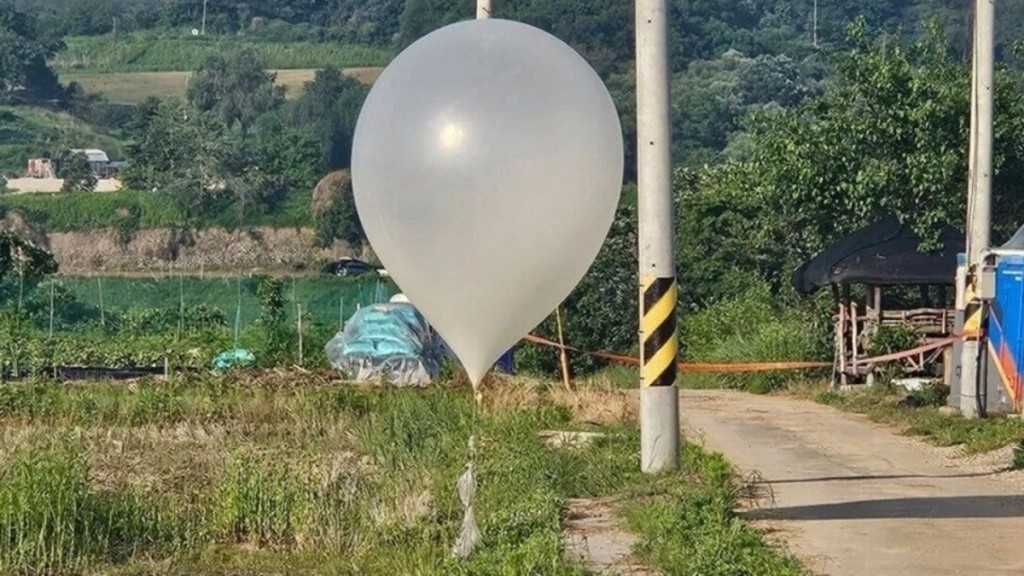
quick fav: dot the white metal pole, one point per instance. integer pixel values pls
(659, 398)
(203, 25)
(979, 199)
(483, 9)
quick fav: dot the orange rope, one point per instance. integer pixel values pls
(731, 367)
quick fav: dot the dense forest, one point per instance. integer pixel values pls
(791, 127)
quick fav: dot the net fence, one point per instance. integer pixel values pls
(121, 321)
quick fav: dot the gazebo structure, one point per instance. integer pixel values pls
(897, 285)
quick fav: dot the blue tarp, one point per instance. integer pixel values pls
(391, 342)
(233, 358)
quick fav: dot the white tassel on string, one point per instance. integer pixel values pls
(470, 535)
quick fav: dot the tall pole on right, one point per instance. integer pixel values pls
(483, 9)
(979, 199)
(659, 398)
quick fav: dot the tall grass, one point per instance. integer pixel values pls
(690, 528)
(152, 52)
(53, 520)
(290, 474)
(752, 328)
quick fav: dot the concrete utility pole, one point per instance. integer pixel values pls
(979, 197)
(814, 25)
(483, 9)
(659, 398)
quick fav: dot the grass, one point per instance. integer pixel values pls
(885, 405)
(67, 212)
(133, 87)
(27, 132)
(154, 52)
(271, 472)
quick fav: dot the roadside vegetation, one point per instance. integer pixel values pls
(265, 471)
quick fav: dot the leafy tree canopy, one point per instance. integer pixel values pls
(236, 88)
(889, 136)
(24, 50)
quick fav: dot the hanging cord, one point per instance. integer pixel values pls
(470, 535)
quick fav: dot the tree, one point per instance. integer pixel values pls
(328, 109)
(24, 51)
(235, 88)
(23, 259)
(711, 97)
(76, 172)
(177, 151)
(889, 136)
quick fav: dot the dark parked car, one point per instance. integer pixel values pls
(352, 267)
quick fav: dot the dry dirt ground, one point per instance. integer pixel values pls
(49, 185)
(133, 87)
(850, 497)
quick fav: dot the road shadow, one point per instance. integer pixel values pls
(883, 508)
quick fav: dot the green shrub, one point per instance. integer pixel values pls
(933, 394)
(753, 328)
(128, 211)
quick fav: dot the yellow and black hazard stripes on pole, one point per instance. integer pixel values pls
(658, 332)
(972, 312)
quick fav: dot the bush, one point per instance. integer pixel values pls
(754, 327)
(77, 175)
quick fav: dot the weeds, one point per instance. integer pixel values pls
(923, 418)
(689, 527)
(751, 328)
(257, 476)
(1018, 456)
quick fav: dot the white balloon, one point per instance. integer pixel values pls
(487, 165)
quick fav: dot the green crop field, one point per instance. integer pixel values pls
(321, 297)
(64, 212)
(133, 87)
(147, 52)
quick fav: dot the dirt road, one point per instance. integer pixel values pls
(853, 498)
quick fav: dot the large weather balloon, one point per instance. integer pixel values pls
(486, 165)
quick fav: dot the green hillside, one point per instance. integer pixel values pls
(66, 212)
(27, 132)
(153, 52)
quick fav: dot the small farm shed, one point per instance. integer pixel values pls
(98, 159)
(99, 164)
(897, 285)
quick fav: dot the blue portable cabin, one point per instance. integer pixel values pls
(1005, 332)
(1001, 365)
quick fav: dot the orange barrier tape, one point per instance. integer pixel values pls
(724, 368)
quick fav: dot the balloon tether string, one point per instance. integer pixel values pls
(469, 536)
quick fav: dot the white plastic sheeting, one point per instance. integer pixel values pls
(390, 343)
